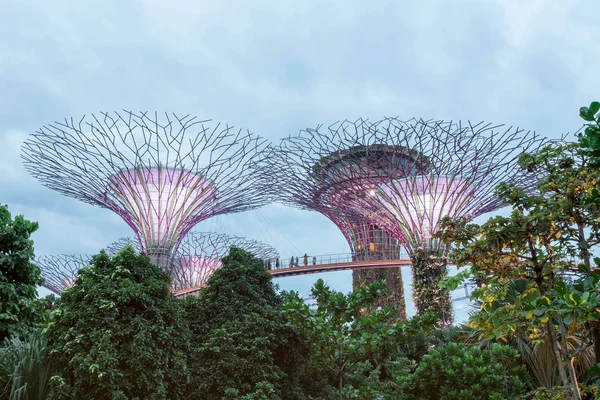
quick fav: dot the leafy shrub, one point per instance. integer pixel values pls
(119, 333)
(558, 393)
(421, 337)
(455, 372)
(242, 346)
(18, 276)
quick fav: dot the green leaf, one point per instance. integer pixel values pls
(581, 267)
(585, 114)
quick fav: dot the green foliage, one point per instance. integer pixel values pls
(354, 347)
(558, 393)
(456, 372)
(118, 333)
(590, 140)
(417, 339)
(24, 370)
(262, 391)
(240, 337)
(394, 294)
(537, 243)
(19, 278)
(567, 180)
(429, 297)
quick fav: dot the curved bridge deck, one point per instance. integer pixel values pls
(337, 266)
(326, 263)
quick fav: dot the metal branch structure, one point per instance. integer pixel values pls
(119, 244)
(59, 271)
(162, 173)
(403, 177)
(199, 256)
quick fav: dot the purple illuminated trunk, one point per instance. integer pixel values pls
(160, 204)
(162, 260)
(371, 243)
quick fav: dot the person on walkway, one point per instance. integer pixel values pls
(314, 260)
(296, 261)
(277, 263)
(305, 260)
(291, 262)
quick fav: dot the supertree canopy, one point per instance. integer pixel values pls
(59, 271)
(199, 256)
(404, 177)
(161, 173)
(323, 173)
(118, 245)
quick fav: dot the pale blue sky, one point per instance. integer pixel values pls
(275, 67)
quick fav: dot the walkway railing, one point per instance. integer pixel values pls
(306, 264)
(327, 259)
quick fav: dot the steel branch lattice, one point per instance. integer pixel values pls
(161, 174)
(59, 271)
(120, 244)
(199, 256)
(402, 176)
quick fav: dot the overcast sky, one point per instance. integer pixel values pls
(275, 67)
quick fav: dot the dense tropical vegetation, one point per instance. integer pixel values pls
(534, 333)
(19, 278)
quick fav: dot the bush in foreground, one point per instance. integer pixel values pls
(119, 333)
(242, 346)
(455, 372)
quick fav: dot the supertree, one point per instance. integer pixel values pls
(59, 271)
(321, 175)
(200, 253)
(404, 177)
(119, 244)
(161, 174)
(199, 256)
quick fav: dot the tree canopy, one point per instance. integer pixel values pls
(19, 278)
(241, 343)
(545, 237)
(119, 333)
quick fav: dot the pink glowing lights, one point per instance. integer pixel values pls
(161, 204)
(192, 272)
(418, 205)
(161, 172)
(59, 271)
(200, 254)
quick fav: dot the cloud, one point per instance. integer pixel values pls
(277, 67)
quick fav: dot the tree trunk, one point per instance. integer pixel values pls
(596, 339)
(569, 360)
(559, 363)
(586, 258)
(584, 250)
(162, 260)
(428, 271)
(341, 373)
(395, 287)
